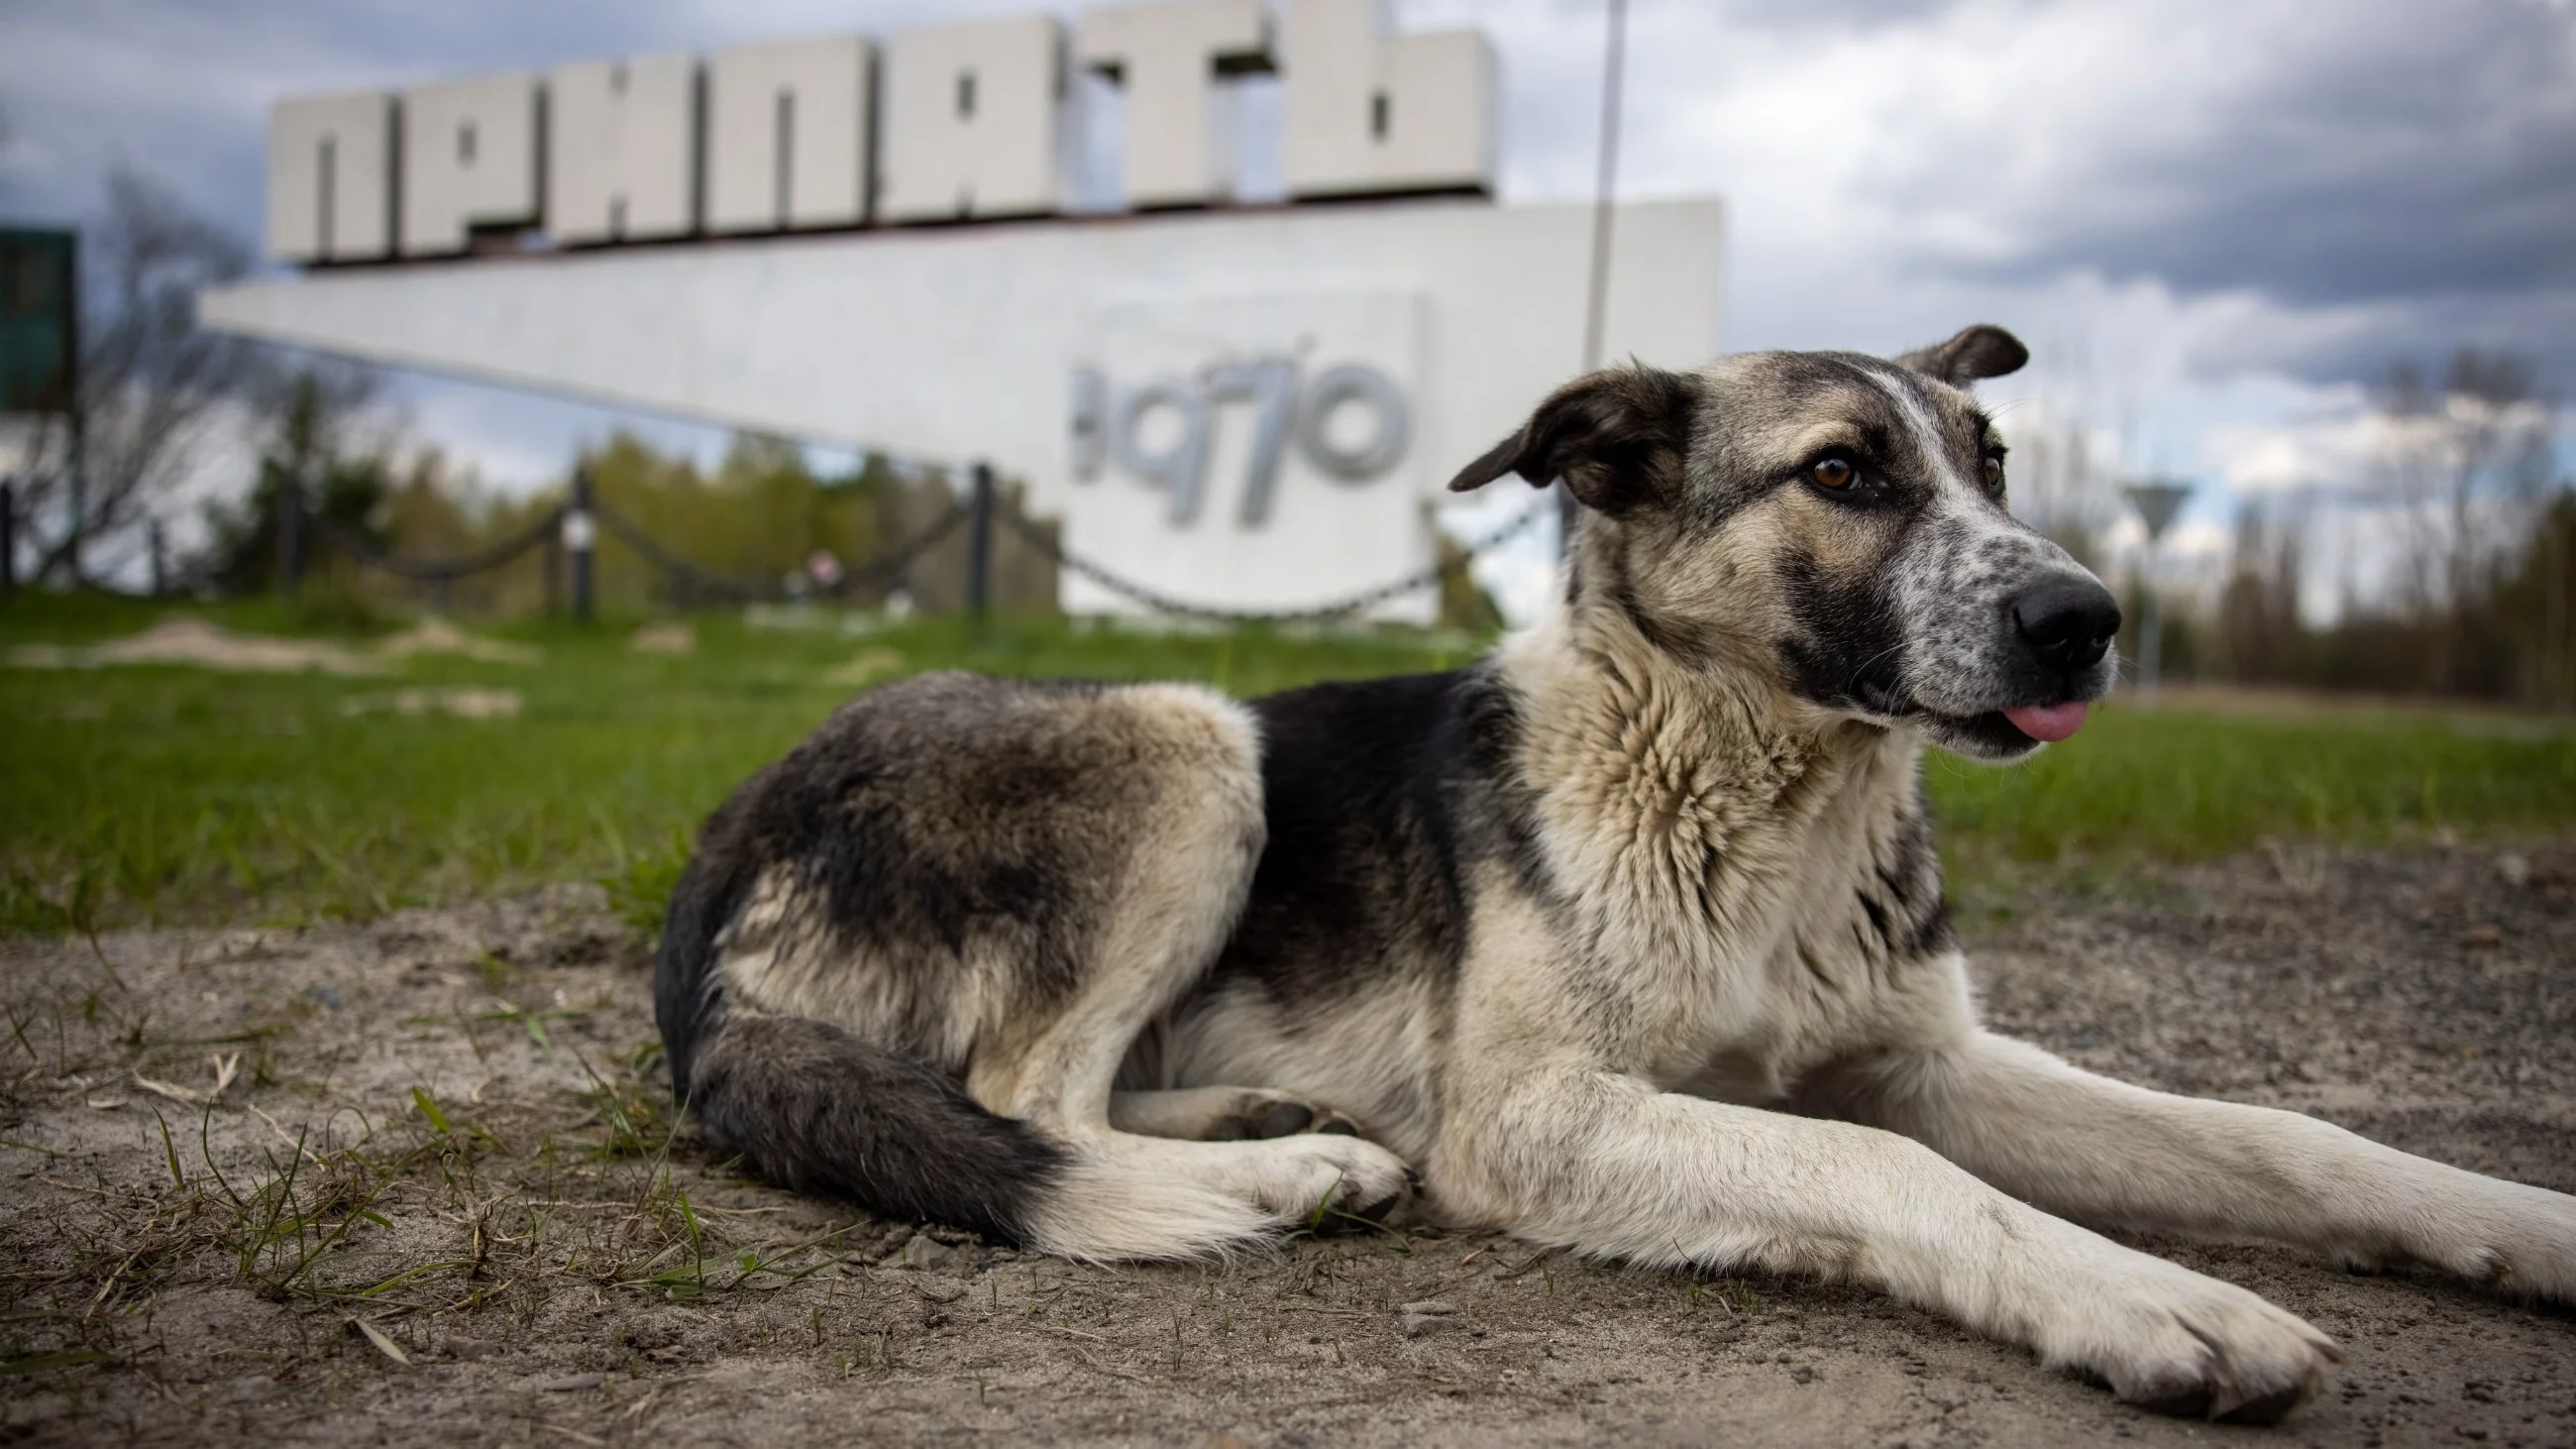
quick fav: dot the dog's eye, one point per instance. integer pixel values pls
(1994, 473)
(1834, 472)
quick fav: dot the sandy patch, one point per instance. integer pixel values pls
(864, 668)
(664, 638)
(460, 703)
(435, 635)
(206, 645)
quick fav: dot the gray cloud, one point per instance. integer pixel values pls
(2404, 156)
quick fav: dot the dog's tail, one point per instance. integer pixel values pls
(812, 1106)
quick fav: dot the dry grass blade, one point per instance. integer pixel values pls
(226, 1068)
(185, 1096)
(384, 1345)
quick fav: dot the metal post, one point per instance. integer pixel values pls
(2151, 636)
(554, 573)
(979, 547)
(290, 537)
(8, 536)
(75, 417)
(1605, 186)
(77, 495)
(2157, 505)
(579, 533)
(160, 551)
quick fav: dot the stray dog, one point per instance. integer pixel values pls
(1629, 938)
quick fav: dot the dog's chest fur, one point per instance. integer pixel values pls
(1749, 891)
(1703, 891)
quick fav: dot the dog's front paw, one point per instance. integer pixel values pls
(2174, 1342)
(2521, 1239)
(1318, 1181)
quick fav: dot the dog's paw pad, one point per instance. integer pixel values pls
(1270, 1115)
(1281, 1119)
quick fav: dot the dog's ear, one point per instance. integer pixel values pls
(1617, 438)
(1984, 350)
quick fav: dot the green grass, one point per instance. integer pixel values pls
(186, 794)
(183, 794)
(2195, 783)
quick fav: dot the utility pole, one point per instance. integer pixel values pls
(2157, 505)
(1596, 300)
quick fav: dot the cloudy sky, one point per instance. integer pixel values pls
(2216, 220)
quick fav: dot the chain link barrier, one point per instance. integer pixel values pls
(1152, 598)
(883, 568)
(435, 570)
(890, 565)
(747, 590)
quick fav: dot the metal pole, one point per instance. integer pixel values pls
(2158, 504)
(8, 536)
(76, 496)
(74, 417)
(579, 533)
(979, 547)
(2151, 634)
(160, 552)
(1596, 301)
(290, 537)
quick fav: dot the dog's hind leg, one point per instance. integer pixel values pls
(907, 961)
(1163, 912)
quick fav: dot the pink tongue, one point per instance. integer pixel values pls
(2049, 722)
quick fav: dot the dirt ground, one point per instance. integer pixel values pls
(438, 1199)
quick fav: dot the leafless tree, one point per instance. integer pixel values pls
(2061, 483)
(2466, 461)
(2062, 489)
(152, 384)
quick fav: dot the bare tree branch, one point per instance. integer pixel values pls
(151, 382)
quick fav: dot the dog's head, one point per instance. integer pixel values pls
(1837, 521)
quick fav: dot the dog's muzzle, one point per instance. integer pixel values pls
(2062, 627)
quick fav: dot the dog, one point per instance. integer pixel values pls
(1629, 938)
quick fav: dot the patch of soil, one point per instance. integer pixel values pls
(205, 645)
(439, 1200)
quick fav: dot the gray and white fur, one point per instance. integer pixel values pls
(1628, 938)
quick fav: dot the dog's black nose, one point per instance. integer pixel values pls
(2068, 623)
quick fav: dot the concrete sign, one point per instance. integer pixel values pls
(948, 123)
(1250, 409)
(1242, 407)
(788, 136)
(1258, 449)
